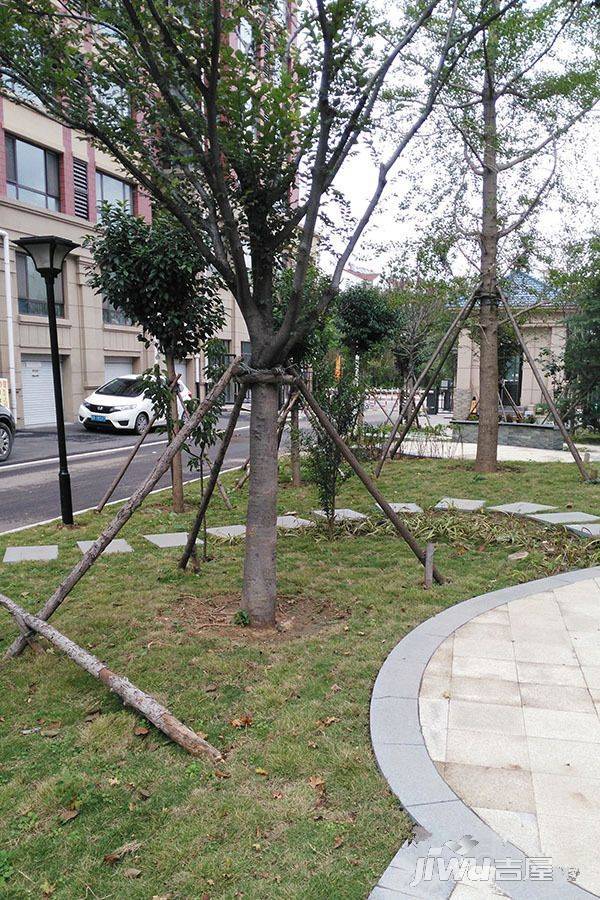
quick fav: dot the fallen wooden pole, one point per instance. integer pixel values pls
(450, 336)
(368, 482)
(131, 695)
(131, 456)
(129, 507)
(213, 479)
(545, 392)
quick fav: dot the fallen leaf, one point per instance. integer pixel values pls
(327, 721)
(312, 745)
(116, 855)
(277, 795)
(263, 772)
(220, 774)
(141, 730)
(243, 721)
(113, 781)
(318, 784)
(66, 815)
(211, 688)
(132, 873)
(48, 889)
(335, 688)
(338, 842)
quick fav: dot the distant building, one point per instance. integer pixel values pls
(543, 328)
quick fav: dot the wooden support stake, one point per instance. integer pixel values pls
(129, 507)
(429, 551)
(131, 695)
(545, 392)
(368, 482)
(213, 479)
(450, 336)
(220, 485)
(131, 456)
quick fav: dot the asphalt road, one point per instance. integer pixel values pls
(29, 480)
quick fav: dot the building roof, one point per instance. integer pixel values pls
(523, 290)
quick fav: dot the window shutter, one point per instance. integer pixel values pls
(80, 188)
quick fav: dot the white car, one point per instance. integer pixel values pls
(121, 404)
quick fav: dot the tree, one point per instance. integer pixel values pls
(577, 373)
(155, 274)
(524, 83)
(366, 318)
(231, 107)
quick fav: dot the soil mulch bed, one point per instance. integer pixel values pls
(296, 617)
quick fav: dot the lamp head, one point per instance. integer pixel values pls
(48, 252)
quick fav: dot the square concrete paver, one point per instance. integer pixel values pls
(289, 523)
(342, 515)
(405, 507)
(564, 518)
(31, 554)
(228, 531)
(116, 546)
(521, 508)
(586, 531)
(491, 787)
(170, 539)
(460, 504)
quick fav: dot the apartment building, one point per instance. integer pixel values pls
(52, 182)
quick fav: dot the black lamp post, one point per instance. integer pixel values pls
(48, 254)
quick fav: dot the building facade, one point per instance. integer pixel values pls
(52, 182)
(544, 331)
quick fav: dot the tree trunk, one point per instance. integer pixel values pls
(259, 593)
(177, 464)
(487, 440)
(295, 445)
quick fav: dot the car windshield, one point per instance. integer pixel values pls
(123, 387)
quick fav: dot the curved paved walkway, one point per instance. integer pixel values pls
(485, 722)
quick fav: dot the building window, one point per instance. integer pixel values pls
(246, 351)
(32, 174)
(112, 316)
(113, 190)
(32, 290)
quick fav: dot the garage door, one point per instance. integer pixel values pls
(114, 366)
(38, 390)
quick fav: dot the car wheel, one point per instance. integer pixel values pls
(141, 423)
(6, 440)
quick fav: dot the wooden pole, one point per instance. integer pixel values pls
(429, 551)
(213, 479)
(131, 695)
(545, 392)
(129, 507)
(220, 485)
(131, 456)
(368, 482)
(451, 336)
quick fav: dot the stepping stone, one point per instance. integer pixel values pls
(404, 507)
(585, 531)
(564, 518)
(291, 522)
(341, 515)
(228, 531)
(170, 539)
(522, 508)
(31, 554)
(116, 546)
(460, 504)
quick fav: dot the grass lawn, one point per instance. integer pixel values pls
(299, 808)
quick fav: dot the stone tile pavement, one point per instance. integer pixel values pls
(509, 709)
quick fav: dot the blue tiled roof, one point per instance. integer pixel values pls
(524, 290)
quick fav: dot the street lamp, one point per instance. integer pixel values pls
(48, 254)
